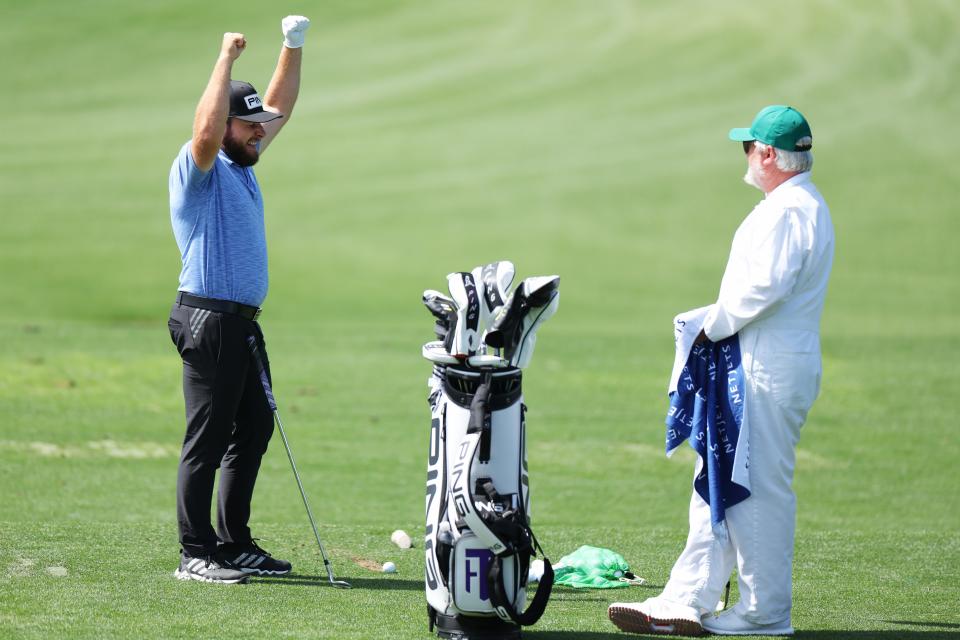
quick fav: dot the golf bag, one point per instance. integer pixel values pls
(478, 541)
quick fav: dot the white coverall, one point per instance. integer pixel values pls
(772, 294)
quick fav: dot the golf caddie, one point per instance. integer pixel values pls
(217, 213)
(771, 297)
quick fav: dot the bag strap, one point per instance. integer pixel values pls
(480, 416)
(463, 498)
(502, 604)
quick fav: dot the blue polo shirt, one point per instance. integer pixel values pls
(217, 219)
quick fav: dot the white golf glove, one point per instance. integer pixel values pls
(293, 28)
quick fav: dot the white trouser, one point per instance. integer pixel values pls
(780, 389)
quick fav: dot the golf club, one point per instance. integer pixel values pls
(443, 309)
(435, 351)
(530, 304)
(255, 353)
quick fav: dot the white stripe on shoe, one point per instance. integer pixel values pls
(207, 570)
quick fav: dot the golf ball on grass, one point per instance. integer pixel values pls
(389, 567)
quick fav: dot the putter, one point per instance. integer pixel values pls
(488, 360)
(255, 353)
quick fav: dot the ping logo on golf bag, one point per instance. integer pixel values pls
(457, 486)
(252, 101)
(477, 566)
(434, 506)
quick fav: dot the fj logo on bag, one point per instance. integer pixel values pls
(253, 101)
(477, 568)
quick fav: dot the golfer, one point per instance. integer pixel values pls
(772, 297)
(217, 215)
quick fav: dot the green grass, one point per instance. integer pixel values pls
(579, 138)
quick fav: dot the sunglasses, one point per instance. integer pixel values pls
(747, 146)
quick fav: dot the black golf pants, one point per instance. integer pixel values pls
(229, 424)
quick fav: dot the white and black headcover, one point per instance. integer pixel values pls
(463, 340)
(515, 328)
(493, 280)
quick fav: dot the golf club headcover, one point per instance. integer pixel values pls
(443, 309)
(493, 280)
(514, 329)
(293, 28)
(528, 330)
(463, 340)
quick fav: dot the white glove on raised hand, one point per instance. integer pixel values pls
(293, 28)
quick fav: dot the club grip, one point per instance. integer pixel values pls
(261, 371)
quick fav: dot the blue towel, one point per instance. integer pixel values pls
(707, 408)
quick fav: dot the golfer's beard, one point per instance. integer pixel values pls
(750, 177)
(240, 153)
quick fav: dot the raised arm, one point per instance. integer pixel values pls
(210, 120)
(284, 86)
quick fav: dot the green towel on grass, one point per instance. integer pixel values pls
(594, 568)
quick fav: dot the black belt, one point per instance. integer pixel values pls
(223, 306)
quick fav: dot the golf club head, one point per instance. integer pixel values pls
(339, 584)
(463, 340)
(443, 309)
(436, 352)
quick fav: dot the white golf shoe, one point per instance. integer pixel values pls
(731, 623)
(655, 616)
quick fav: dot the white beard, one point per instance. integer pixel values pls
(750, 178)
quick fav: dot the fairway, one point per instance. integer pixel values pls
(585, 139)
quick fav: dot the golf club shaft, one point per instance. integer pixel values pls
(268, 391)
(303, 494)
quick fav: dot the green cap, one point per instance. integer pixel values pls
(779, 126)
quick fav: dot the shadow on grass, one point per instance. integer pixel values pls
(384, 584)
(634, 594)
(886, 634)
(832, 635)
(576, 635)
(920, 623)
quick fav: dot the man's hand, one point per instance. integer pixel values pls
(293, 28)
(233, 45)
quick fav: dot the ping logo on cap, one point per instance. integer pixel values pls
(252, 101)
